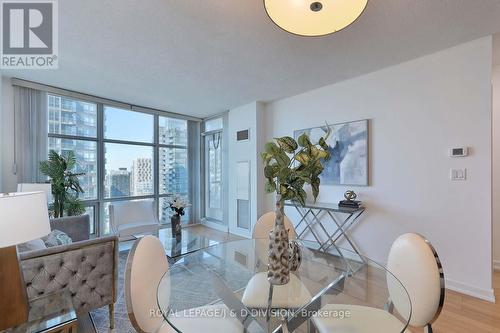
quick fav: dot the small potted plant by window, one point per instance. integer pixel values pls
(178, 205)
(65, 184)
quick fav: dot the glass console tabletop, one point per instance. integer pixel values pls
(49, 313)
(176, 247)
(220, 274)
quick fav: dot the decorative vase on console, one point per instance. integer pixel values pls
(178, 205)
(289, 165)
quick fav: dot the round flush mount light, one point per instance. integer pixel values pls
(314, 18)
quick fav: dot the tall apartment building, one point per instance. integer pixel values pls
(142, 177)
(173, 162)
(119, 183)
(69, 117)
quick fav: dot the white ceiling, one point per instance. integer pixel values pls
(200, 57)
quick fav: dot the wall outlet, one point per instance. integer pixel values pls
(458, 174)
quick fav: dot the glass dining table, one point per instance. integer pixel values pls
(234, 274)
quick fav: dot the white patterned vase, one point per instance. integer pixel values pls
(278, 272)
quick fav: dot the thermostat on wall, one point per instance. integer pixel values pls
(459, 151)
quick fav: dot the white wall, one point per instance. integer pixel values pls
(417, 110)
(1, 131)
(496, 165)
(8, 181)
(241, 118)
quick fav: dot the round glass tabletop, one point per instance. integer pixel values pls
(224, 288)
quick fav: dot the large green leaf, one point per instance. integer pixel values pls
(304, 140)
(266, 157)
(323, 144)
(302, 196)
(271, 171)
(270, 186)
(282, 159)
(271, 148)
(287, 143)
(315, 182)
(303, 158)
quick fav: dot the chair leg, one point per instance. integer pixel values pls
(428, 328)
(111, 309)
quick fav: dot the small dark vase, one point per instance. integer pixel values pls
(175, 221)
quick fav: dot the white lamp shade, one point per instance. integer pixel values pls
(314, 17)
(23, 217)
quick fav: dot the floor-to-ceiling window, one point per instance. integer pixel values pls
(125, 155)
(73, 127)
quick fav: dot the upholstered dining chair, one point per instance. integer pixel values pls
(146, 265)
(415, 263)
(291, 295)
(128, 218)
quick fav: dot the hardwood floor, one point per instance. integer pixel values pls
(461, 313)
(465, 314)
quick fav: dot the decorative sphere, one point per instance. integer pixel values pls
(350, 195)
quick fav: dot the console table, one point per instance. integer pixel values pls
(310, 217)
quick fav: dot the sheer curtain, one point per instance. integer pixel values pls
(194, 169)
(30, 133)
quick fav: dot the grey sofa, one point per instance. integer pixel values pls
(87, 268)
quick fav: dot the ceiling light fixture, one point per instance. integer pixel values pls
(314, 18)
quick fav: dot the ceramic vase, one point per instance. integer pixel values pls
(279, 267)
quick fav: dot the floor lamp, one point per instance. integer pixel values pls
(23, 217)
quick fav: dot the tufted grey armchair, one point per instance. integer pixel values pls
(87, 268)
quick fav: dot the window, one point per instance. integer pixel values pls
(129, 170)
(126, 125)
(72, 117)
(213, 169)
(173, 131)
(69, 131)
(124, 158)
(86, 162)
(173, 164)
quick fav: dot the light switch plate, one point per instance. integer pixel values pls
(458, 174)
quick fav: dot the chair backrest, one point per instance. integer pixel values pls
(35, 187)
(266, 223)
(126, 212)
(146, 264)
(415, 263)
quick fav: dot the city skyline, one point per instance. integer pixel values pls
(128, 168)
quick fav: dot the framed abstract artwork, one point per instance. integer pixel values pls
(348, 146)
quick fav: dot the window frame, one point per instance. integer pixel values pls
(101, 200)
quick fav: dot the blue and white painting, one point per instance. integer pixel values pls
(348, 146)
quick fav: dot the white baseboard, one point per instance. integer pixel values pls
(496, 265)
(485, 294)
(214, 225)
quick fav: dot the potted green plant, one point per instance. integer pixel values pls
(65, 183)
(289, 166)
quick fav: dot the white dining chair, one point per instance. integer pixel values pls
(265, 224)
(146, 265)
(292, 295)
(35, 187)
(129, 218)
(415, 263)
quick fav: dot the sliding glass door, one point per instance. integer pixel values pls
(213, 171)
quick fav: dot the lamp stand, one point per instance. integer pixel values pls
(13, 299)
